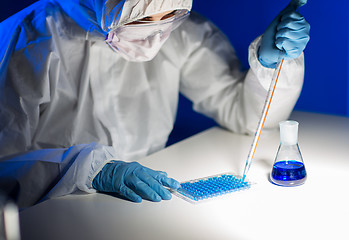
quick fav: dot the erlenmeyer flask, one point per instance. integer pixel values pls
(288, 169)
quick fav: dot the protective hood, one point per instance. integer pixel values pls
(109, 14)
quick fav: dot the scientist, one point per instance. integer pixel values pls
(88, 87)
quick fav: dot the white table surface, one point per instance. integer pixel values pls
(319, 209)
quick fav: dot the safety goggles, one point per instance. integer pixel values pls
(175, 16)
(142, 28)
(140, 41)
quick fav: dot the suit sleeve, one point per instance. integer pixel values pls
(213, 80)
(28, 70)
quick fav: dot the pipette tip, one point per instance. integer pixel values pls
(243, 178)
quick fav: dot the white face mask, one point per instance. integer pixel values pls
(141, 41)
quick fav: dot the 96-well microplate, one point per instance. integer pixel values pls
(209, 187)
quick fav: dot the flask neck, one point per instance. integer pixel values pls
(289, 132)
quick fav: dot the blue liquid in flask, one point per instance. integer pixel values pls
(288, 173)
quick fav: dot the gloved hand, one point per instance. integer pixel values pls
(288, 33)
(134, 181)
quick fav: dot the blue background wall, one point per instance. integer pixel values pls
(326, 86)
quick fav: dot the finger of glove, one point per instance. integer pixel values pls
(161, 173)
(142, 188)
(292, 34)
(291, 15)
(128, 193)
(294, 25)
(291, 50)
(156, 186)
(289, 44)
(169, 182)
(292, 54)
(162, 178)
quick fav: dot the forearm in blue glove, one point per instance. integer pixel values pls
(287, 34)
(134, 181)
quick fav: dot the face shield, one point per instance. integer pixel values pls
(140, 41)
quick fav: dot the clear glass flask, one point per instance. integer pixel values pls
(288, 169)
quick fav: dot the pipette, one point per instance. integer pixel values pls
(294, 4)
(261, 122)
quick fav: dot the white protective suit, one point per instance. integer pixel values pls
(69, 104)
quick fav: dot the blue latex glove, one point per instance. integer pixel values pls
(288, 33)
(134, 181)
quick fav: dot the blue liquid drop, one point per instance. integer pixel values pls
(288, 173)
